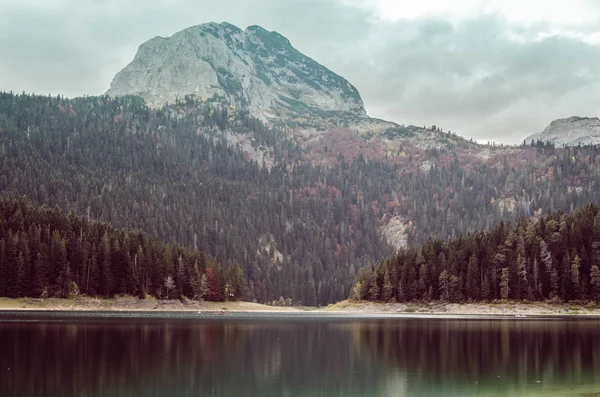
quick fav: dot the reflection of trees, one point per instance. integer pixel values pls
(183, 358)
(442, 351)
(294, 358)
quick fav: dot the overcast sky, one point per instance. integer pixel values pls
(488, 69)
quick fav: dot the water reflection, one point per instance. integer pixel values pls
(299, 358)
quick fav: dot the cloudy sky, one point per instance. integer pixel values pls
(487, 69)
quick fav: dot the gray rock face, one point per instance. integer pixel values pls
(255, 69)
(572, 131)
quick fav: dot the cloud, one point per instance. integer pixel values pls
(481, 76)
(75, 47)
(483, 73)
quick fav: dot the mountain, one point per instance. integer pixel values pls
(572, 131)
(252, 68)
(299, 217)
(266, 161)
(260, 72)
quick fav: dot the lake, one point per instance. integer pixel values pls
(62, 354)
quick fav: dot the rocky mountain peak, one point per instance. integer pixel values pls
(252, 68)
(571, 131)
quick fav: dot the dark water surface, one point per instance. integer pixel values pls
(262, 355)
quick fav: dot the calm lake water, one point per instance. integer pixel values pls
(247, 355)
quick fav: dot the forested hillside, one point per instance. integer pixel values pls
(172, 174)
(299, 214)
(555, 257)
(47, 253)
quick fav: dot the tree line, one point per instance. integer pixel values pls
(47, 253)
(555, 257)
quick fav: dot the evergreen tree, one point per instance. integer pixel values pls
(523, 283)
(473, 278)
(374, 288)
(387, 291)
(236, 282)
(40, 282)
(4, 268)
(424, 282)
(444, 283)
(311, 293)
(595, 282)
(546, 259)
(106, 277)
(575, 266)
(504, 284)
(22, 287)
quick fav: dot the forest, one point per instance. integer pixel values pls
(299, 227)
(47, 253)
(555, 257)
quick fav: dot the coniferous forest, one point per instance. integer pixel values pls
(45, 252)
(298, 222)
(556, 258)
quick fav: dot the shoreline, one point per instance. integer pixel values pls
(122, 306)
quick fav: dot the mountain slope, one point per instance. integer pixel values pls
(259, 72)
(254, 69)
(572, 131)
(45, 252)
(555, 257)
(299, 227)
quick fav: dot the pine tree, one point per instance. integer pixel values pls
(106, 276)
(40, 281)
(169, 286)
(523, 291)
(58, 266)
(444, 283)
(473, 276)
(374, 288)
(311, 293)
(388, 291)
(139, 273)
(236, 282)
(22, 287)
(554, 283)
(537, 286)
(504, 284)
(595, 282)
(546, 259)
(4, 268)
(454, 288)
(596, 228)
(401, 295)
(179, 277)
(211, 290)
(486, 289)
(575, 266)
(203, 290)
(424, 283)
(63, 283)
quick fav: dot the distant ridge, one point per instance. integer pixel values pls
(572, 131)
